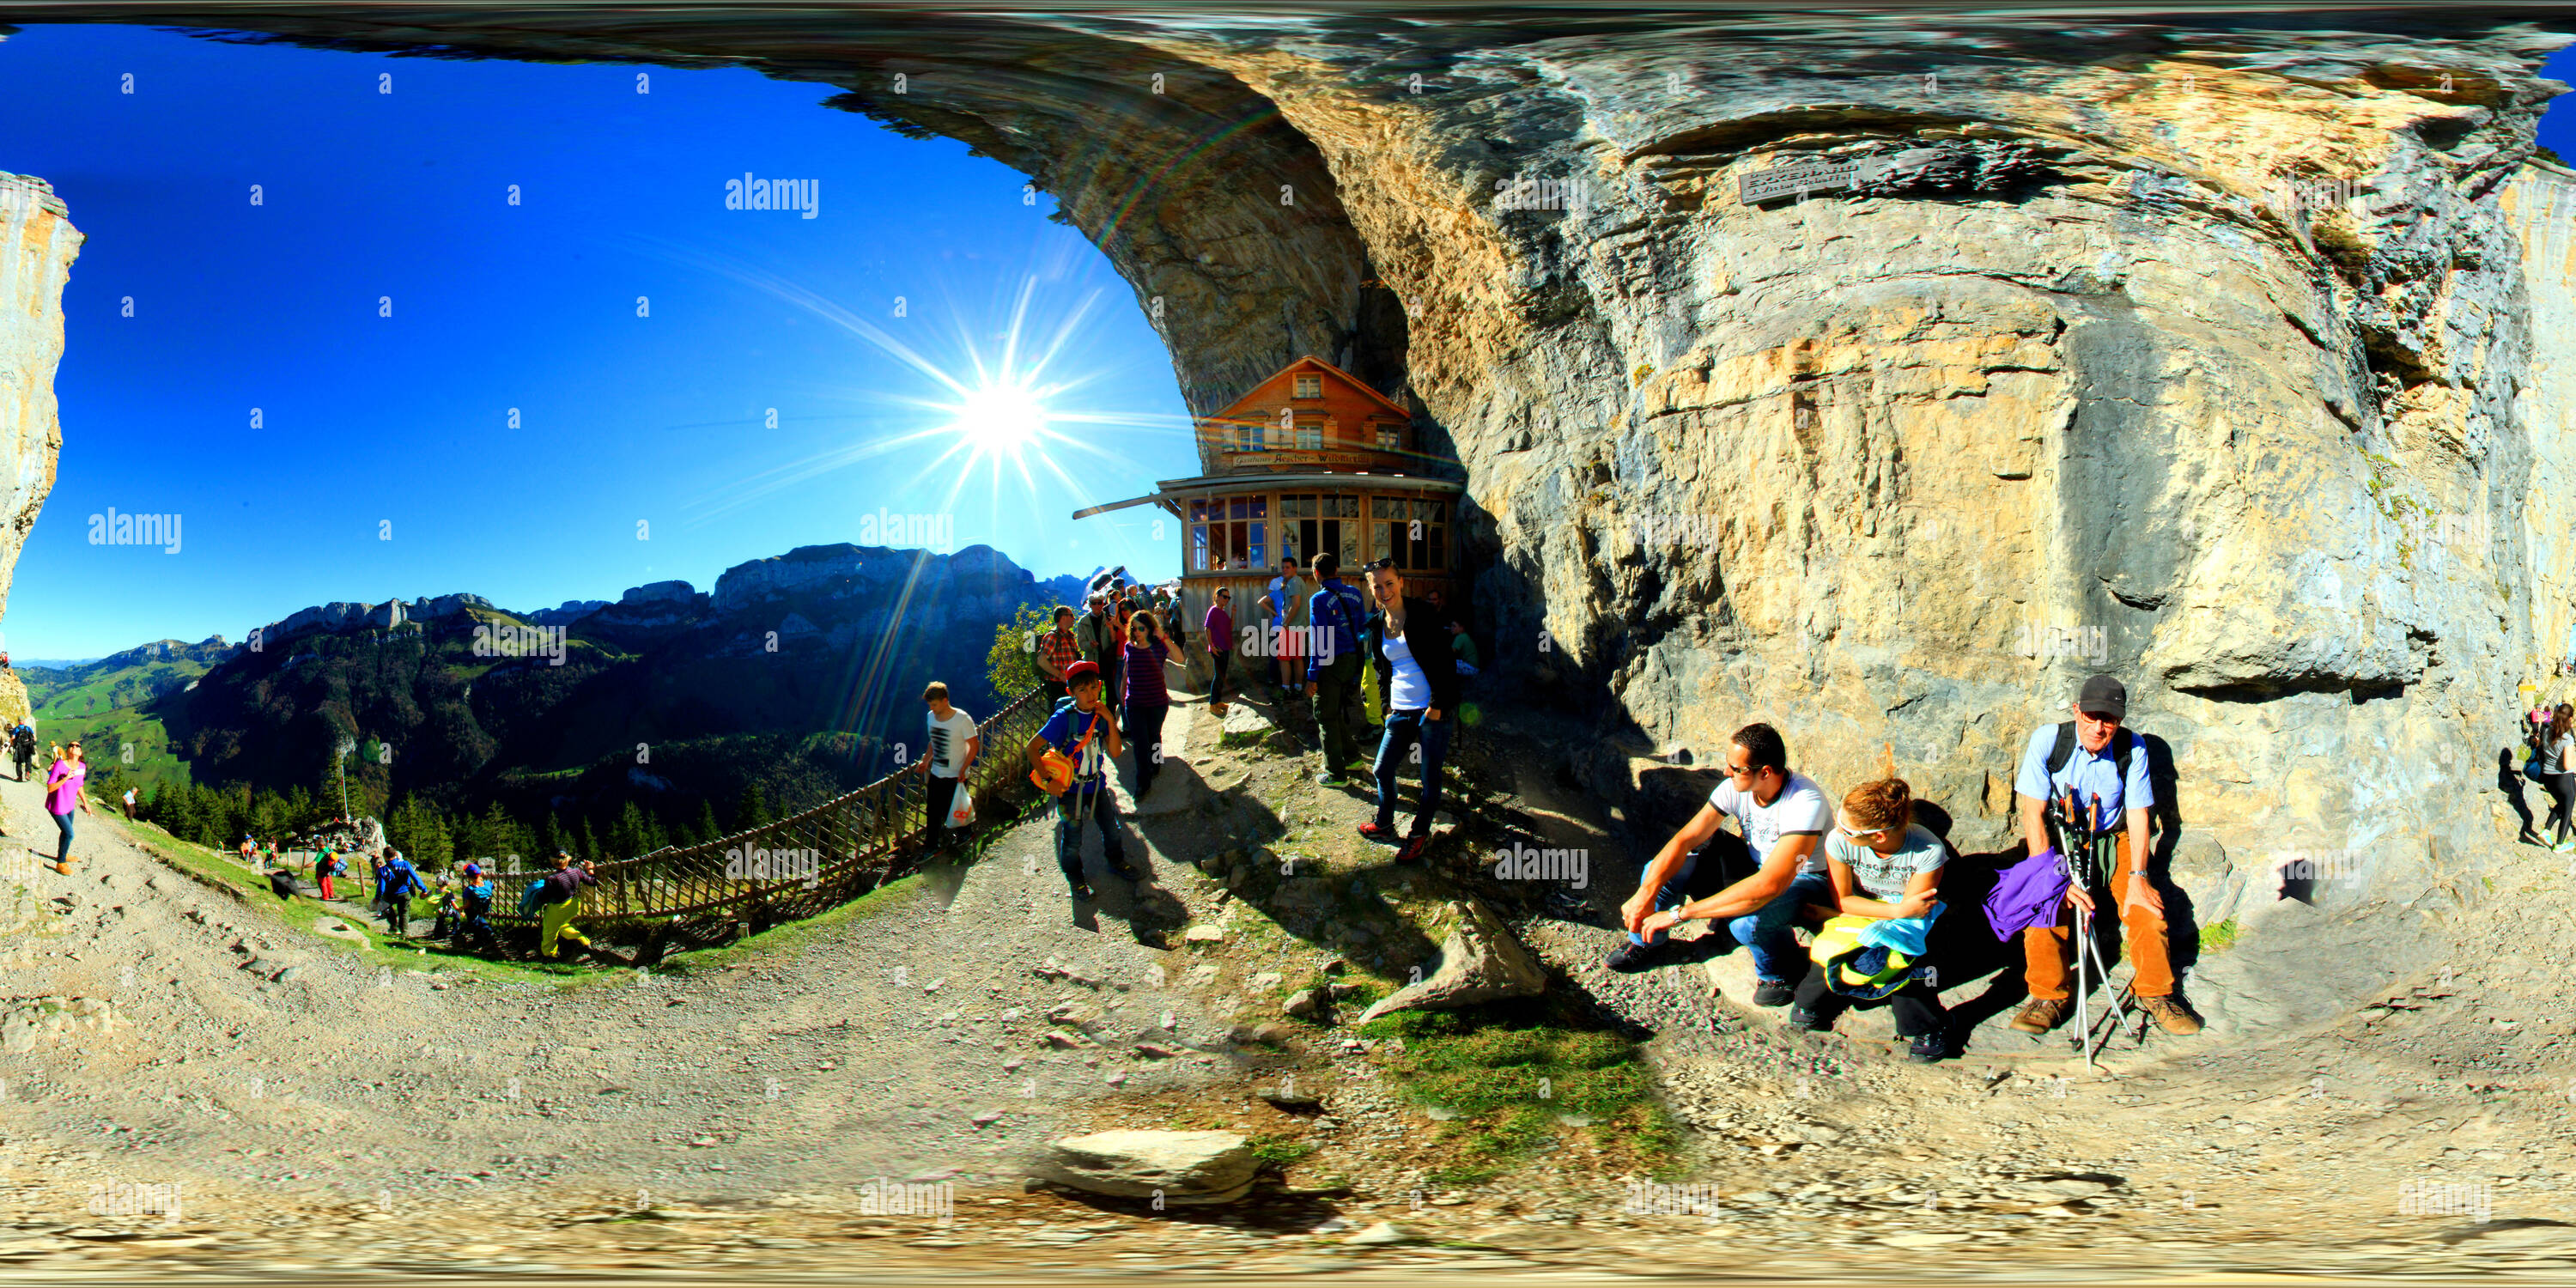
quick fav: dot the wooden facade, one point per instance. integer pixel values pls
(1310, 460)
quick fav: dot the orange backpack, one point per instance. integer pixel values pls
(1054, 774)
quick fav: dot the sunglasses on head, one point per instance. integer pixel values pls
(1378, 565)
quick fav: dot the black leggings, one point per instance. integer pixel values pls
(1917, 1008)
(2562, 793)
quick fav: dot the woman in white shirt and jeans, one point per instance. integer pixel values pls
(1409, 644)
(2557, 760)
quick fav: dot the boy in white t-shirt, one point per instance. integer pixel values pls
(953, 746)
(1784, 816)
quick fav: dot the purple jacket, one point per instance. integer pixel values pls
(2026, 894)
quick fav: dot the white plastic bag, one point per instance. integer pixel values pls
(961, 809)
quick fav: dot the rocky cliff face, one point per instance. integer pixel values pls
(2200, 352)
(37, 246)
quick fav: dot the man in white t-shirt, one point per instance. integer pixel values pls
(1784, 816)
(953, 746)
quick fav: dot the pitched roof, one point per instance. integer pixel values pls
(1319, 364)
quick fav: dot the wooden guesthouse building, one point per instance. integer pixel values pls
(1311, 460)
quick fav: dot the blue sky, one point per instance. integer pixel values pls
(384, 463)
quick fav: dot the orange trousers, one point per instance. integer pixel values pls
(2047, 949)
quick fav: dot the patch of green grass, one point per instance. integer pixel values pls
(1510, 1071)
(2219, 938)
(1278, 1152)
(304, 914)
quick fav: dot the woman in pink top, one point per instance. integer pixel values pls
(62, 789)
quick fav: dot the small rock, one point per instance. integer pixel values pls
(1310, 1004)
(1185, 1167)
(1204, 935)
(1294, 1102)
(1388, 1233)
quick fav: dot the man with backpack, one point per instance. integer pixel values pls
(1056, 650)
(326, 865)
(1103, 640)
(556, 899)
(1067, 759)
(1333, 670)
(396, 883)
(2084, 791)
(474, 911)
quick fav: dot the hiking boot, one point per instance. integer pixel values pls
(1773, 992)
(1927, 1049)
(1082, 892)
(2043, 1014)
(1332, 778)
(1632, 957)
(1126, 871)
(2171, 1015)
(1413, 848)
(1380, 833)
(1802, 1020)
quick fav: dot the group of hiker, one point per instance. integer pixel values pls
(464, 893)
(1868, 877)
(1104, 671)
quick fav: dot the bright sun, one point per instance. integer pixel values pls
(1001, 418)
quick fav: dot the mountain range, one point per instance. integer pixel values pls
(800, 673)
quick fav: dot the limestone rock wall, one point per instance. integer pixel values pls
(37, 246)
(2200, 351)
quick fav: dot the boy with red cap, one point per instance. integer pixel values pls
(1084, 731)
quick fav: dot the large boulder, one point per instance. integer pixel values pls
(1480, 961)
(1188, 1167)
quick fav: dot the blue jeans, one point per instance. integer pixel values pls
(1766, 932)
(63, 854)
(1403, 730)
(1100, 806)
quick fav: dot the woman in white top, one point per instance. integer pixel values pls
(1418, 690)
(2557, 761)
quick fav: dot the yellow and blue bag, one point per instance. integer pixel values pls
(1855, 968)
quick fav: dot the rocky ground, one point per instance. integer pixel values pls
(321, 1113)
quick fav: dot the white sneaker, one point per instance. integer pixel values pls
(2565, 847)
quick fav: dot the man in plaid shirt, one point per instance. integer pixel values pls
(1057, 649)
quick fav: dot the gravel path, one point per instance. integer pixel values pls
(319, 1112)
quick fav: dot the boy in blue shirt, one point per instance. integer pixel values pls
(1084, 731)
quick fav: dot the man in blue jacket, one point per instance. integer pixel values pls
(1335, 614)
(396, 883)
